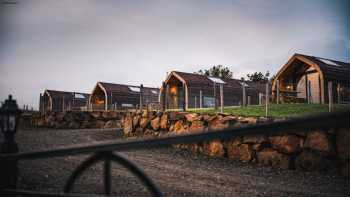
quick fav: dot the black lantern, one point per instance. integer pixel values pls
(9, 118)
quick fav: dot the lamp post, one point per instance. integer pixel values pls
(9, 118)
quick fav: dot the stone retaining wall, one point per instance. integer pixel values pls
(79, 120)
(317, 150)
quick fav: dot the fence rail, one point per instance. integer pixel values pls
(104, 151)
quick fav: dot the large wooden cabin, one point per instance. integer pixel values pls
(110, 96)
(59, 101)
(305, 79)
(183, 90)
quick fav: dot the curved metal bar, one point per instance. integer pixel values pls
(152, 187)
(79, 170)
(108, 156)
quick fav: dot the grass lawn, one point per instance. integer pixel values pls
(274, 110)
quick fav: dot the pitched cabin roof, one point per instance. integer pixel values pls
(193, 79)
(122, 88)
(65, 94)
(331, 69)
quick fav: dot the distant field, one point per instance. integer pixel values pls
(274, 110)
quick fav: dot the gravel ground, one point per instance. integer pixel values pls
(177, 172)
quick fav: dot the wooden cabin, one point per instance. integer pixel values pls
(59, 101)
(183, 90)
(305, 79)
(110, 96)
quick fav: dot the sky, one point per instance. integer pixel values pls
(70, 45)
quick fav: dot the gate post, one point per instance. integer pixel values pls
(9, 117)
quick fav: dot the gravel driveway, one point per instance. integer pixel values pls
(177, 172)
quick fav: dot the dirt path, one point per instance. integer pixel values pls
(178, 173)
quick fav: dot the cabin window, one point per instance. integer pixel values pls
(208, 101)
(127, 105)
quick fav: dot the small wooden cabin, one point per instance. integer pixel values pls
(59, 101)
(305, 79)
(110, 96)
(183, 90)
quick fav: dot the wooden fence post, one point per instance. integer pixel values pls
(221, 98)
(338, 93)
(330, 96)
(278, 91)
(248, 100)
(141, 96)
(200, 99)
(260, 98)
(195, 102)
(267, 99)
(215, 100)
(243, 94)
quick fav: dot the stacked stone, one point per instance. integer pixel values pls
(79, 120)
(315, 150)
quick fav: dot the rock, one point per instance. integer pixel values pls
(99, 124)
(179, 127)
(164, 121)
(155, 123)
(230, 120)
(85, 124)
(243, 152)
(287, 143)
(197, 126)
(214, 148)
(343, 143)
(112, 124)
(271, 157)
(255, 139)
(218, 124)
(144, 122)
(128, 125)
(318, 140)
(310, 160)
(96, 114)
(135, 121)
(59, 116)
(192, 117)
(74, 125)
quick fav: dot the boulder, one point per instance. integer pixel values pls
(85, 124)
(343, 143)
(197, 126)
(311, 160)
(271, 157)
(255, 139)
(155, 123)
(112, 124)
(190, 117)
(319, 141)
(288, 144)
(127, 125)
(217, 124)
(164, 121)
(179, 127)
(96, 114)
(98, 124)
(144, 121)
(242, 152)
(135, 121)
(230, 120)
(214, 148)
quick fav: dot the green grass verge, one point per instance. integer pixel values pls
(274, 110)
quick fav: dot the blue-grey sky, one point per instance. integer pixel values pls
(70, 45)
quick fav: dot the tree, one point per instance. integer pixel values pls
(219, 71)
(259, 76)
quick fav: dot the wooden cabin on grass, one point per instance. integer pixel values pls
(59, 101)
(110, 96)
(183, 90)
(307, 79)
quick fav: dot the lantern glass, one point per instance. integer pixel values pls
(12, 123)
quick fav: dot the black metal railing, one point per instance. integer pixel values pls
(105, 151)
